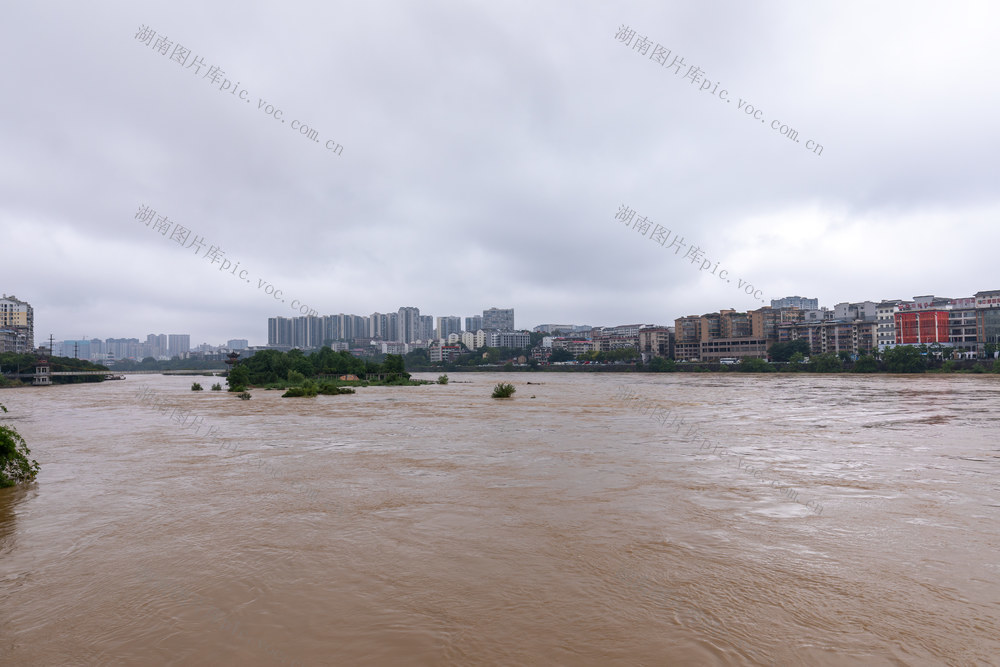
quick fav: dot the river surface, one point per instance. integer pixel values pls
(790, 520)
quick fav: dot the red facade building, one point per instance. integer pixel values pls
(922, 326)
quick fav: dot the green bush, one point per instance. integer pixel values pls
(216, 387)
(662, 365)
(15, 466)
(866, 364)
(442, 379)
(996, 365)
(825, 363)
(979, 368)
(905, 359)
(331, 389)
(308, 389)
(244, 395)
(295, 377)
(503, 390)
(195, 386)
(754, 365)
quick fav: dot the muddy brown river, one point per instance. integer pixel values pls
(593, 519)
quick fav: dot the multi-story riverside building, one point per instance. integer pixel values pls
(722, 348)
(833, 336)
(552, 328)
(656, 342)
(17, 325)
(885, 318)
(764, 322)
(799, 302)
(515, 339)
(714, 336)
(863, 310)
(687, 337)
(987, 318)
(575, 346)
(438, 353)
(962, 326)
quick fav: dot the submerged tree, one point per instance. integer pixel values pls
(15, 466)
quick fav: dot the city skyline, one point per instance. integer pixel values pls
(962, 325)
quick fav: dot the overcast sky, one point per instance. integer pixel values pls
(486, 149)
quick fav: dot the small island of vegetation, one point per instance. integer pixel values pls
(321, 372)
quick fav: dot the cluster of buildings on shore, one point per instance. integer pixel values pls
(966, 324)
(970, 326)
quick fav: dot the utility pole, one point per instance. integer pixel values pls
(50, 346)
(76, 349)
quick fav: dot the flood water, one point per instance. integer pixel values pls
(792, 520)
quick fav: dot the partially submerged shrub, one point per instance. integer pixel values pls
(503, 390)
(331, 389)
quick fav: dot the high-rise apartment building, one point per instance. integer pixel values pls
(279, 332)
(448, 325)
(123, 348)
(157, 346)
(178, 345)
(17, 325)
(425, 330)
(498, 319)
(378, 326)
(474, 323)
(408, 324)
